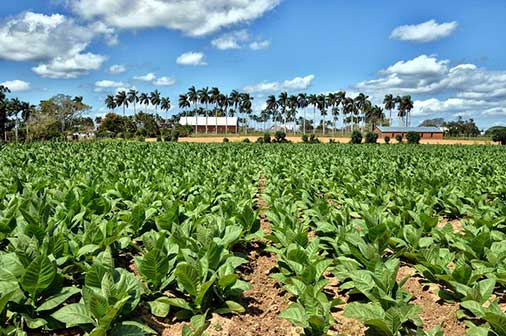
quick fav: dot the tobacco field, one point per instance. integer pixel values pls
(125, 238)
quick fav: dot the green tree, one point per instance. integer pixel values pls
(121, 100)
(303, 103)
(110, 102)
(133, 97)
(389, 103)
(165, 106)
(155, 100)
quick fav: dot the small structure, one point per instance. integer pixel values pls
(229, 124)
(425, 132)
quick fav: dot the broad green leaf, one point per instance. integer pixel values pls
(38, 275)
(73, 315)
(58, 298)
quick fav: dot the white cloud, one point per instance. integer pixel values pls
(191, 58)
(165, 81)
(297, 83)
(17, 85)
(238, 40)
(232, 40)
(117, 69)
(259, 45)
(193, 17)
(149, 77)
(158, 81)
(464, 89)
(54, 40)
(424, 32)
(429, 75)
(70, 67)
(107, 84)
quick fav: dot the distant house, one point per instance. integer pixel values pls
(199, 124)
(425, 132)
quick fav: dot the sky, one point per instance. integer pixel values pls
(448, 55)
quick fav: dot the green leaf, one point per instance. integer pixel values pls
(160, 307)
(474, 307)
(4, 299)
(58, 298)
(73, 315)
(179, 303)
(296, 315)
(230, 307)
(38, 275)
(131, 328)
(364, 312)
(154, 266)
(188, 277)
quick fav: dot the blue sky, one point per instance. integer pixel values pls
(448, 55)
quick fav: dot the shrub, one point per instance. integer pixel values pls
(172, 136)
(267, 138)
(280, 136)
(260, 140)
(387, 139)
(413, 137)
(225, 140)
(371, 138)
(398, 138)
(499, 136)
(356, 137)
(333, 141)
(119, 135)
(311, 139)
(246, 140)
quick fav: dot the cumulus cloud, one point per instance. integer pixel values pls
(17, 85)
(297, 83)
(259, 45)
(192, 17)
(117, 69)
(155, 80)
(232, 40)
(165, 81)
(191, 58)
(70, 67)
(424, 32)
(238, 40)
(467, 89)
(108, 84)
(57, 42)
(146, 78)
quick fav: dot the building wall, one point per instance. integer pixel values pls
(392, 135)
(212, 129)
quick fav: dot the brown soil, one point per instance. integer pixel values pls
(263, 302)
(435, 312)
(455, 223)
(297, 139)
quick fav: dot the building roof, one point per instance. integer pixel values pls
(410, 129)
(211, 121)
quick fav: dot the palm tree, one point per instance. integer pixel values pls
(122, 100)
(292, 104)
(363, 103)
(245, 107)
(223, 105)
(331, 103)
(203, 96)
(214, 95)
(283, 103)
(144, 100)
(341, 100)
(26, 112)
(133, 98)
(407, 105)
(313, 100)
(110, 102)
(389, 103)
(165, 106)
(272, 107)
(155, 100)
(303, 103)
(401, 112)
(235, 101)
(322, 106)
